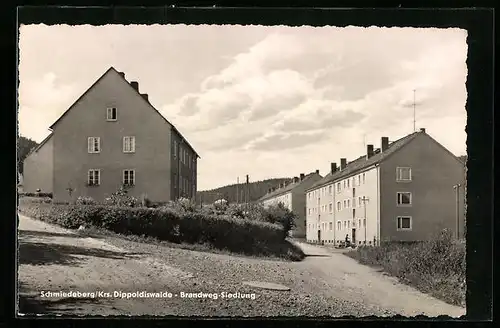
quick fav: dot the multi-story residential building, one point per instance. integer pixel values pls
(402, 191)
(112, 136)
(292, 196)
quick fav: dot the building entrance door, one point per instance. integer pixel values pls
(354, 236)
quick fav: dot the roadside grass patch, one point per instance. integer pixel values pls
(436, 267)
(199, 230)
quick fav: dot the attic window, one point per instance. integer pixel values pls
(111, 114)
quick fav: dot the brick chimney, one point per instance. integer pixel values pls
(422, 130)
(145, 96)
(122, 74)
(369, 151)
(302, 176)
(333, 167)
(317, 171)
(343, 163)
(384, 144)
(135, 85)
(295, 179)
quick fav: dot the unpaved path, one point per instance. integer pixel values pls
(327, 283)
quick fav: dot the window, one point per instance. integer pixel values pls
(94, 177)
(404, 198)
(129, 144)
(348, 203)
(404, 222)
(94, 145)
(111, 114)
(403, 174)
(175, 180)
(331, 207)
(348, 182)
(339, 206)
(344, 184)
(359, 223)
(353, 213)
(363, 178)
(331, 226)
(364, 222)
(338, 187)
(330, 190)
(175, 149)
(185, 156)
(345, 224)
(359, 180)
(129, 177)
(359, 201)
(353, 192)
(345, 203)
(339, 225)
(309, 211)
(348, 224)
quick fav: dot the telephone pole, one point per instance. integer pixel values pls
(237, 186)
(457, 208)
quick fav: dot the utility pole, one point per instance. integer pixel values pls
(457, 208)
(414, 113)
(247, 193)
(364, 200)
(237, 186)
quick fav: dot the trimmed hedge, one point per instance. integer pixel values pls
(36, 194)
(222, 232)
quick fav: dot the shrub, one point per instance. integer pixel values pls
(436, 266)
(36, 194)
(85, 200)
(220, 231)
(121, 198)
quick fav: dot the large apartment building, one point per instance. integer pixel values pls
(112, 136)
(402, 191)
(292, 195)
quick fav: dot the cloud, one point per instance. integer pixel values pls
(282, 141)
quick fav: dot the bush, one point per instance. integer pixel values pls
(437, 266)
(85, 200)
(121, 198)
(36, 194)
(220, 231)
(275, 214)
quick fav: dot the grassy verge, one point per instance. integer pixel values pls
(195, 231)
(436, 267)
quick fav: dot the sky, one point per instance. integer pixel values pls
(264, 101)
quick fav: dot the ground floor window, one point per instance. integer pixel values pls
(94, 177)
(404, 222)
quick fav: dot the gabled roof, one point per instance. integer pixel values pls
(44, 141)
(288, 188)
(137, 91)
(361, 162)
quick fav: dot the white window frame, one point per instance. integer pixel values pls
(339, 225)
(92, 172)
(399, 197)
(399, 170)
(331, 207)
(109, 114)
(399, 221)
(130, 142)
(133, 180)
(364, 179)
(339, 206)
(330, 225)
(339, 187)
(330, 189)
(91, 142)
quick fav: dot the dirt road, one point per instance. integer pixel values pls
(326, 283)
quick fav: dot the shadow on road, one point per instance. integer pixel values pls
(37, 253)
(24, 234)
(31, 305)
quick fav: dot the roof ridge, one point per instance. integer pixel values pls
(376, 158)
